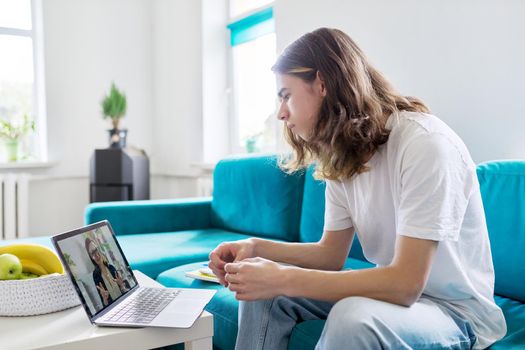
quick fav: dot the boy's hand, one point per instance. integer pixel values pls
(256, 278)
(230, 252)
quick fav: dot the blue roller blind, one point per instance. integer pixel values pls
(252, 27)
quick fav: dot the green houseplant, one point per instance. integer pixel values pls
(114, 106)
(12, 132)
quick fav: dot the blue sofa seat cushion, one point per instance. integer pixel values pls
(153, 253)
(306, 335)
(254, 196)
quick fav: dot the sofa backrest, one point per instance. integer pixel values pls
(312, 214)
(502, 185)
(253, 195)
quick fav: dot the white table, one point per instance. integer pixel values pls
(71, 329)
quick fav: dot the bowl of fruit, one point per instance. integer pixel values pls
(33, 282)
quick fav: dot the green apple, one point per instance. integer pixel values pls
(10, 267)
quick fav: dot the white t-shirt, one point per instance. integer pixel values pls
(422, 183)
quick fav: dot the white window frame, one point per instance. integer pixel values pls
(36, 33)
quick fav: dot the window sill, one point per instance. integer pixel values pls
(204, 167)
(26, 165)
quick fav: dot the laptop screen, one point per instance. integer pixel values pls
(97, 267)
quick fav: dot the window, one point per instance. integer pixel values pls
(252, 38)
(242, 7)
(21, 82)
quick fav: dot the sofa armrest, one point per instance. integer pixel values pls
(151, 216)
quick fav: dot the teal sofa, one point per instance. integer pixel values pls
(253, 197)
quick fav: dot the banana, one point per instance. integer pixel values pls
(37, 253)
(32, 267)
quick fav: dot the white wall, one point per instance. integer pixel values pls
(215, 81)
(177, 85)
(89, 44)
(56, 204)
(151, 49)
(464, 58)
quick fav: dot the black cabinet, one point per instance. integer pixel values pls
(119, 174)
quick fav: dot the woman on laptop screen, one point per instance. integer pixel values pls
(107, 279)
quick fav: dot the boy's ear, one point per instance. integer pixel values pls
(320, 80)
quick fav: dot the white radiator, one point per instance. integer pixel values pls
(14, 205)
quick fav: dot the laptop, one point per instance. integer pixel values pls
(110, 293)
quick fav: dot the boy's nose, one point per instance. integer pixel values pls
(282, 113)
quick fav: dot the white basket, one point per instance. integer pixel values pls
(37, 296)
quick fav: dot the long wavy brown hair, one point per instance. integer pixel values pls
(359, 99)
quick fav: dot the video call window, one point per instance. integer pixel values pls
(97, 266)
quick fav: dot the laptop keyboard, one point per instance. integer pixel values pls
(142, 307)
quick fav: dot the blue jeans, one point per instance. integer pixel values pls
(354, 323)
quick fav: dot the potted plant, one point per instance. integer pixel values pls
(252, 143)
(114, 107)
(13, 132)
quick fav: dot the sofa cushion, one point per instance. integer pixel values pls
(306, 335)
(502, 186)
(514, 312)
(312, 214)
(153, 253)
(253, 195)
(223, 306)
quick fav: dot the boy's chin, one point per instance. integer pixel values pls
(304, 137)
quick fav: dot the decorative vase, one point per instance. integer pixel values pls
(11, 146)
(117, 138)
